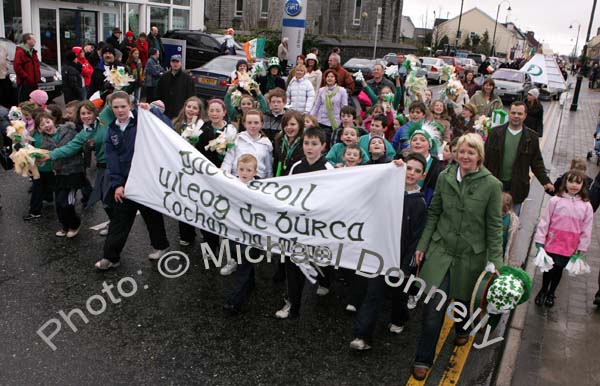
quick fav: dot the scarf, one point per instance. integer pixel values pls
(288, 151)
(329, 95)
(270, 82)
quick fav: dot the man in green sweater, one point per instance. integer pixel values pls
(510, 151)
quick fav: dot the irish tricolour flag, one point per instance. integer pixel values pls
(255, 48)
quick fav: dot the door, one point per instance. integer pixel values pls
(77, 28)
(48, 37)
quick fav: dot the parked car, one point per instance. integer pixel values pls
(478, 58)
(454, 61)
(51, 79)
(201, 47)
(547, 93)
(364, 65)
(433, 67)
(213, 79)
(511, 84)
(391, 60)
(469, 64)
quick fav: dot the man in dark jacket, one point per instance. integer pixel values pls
(71, 78)
(154, 41)
(27, 67)
(113, 39)
(99, 82)
(510, 151)
(174, 87)
(152, 74)
(344, 78)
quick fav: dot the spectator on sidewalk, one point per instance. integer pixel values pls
(115, 38)
(379, 80)
(282, 54)
(511, 150)
(535, 112)
(174, 88)
(27, 67)
(152, 73)
(154, 41)
(344, 78)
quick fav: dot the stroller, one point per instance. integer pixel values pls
(596, 150)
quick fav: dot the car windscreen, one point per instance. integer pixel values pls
(510, 76)
(10, 48)
(222, 63)
(358, 63)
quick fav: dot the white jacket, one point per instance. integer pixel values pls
(301, 95)
(261, 148)
(315, 78)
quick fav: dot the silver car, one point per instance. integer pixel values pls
(433, 67)
(511, 84)
(469, 64)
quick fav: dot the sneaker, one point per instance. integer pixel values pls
(395, 329)
(104, 264)
(104, 231)
(322, 291)
(359, 345)
(61, 233)
(73, 232)
(419, 373)
(412, 302)
(157, 254)
(229, 268)
(284, 313)
(350, 308)
(184, 243)
(31, 216)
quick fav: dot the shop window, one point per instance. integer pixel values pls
(13, 27)
(181, 19)
(357, 12)
(239, 7)
(264, 9)
(159, 17)
(181, 2)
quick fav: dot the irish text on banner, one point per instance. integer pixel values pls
(255, 48)
(348, 217)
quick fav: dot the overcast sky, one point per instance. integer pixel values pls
(549, 19)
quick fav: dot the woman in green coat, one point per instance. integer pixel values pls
(462, 237)
(485, 100)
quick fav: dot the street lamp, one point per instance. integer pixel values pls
(583, 54)
(576, 40)
(496, 25)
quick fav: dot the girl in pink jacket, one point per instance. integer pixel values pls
(564, 229)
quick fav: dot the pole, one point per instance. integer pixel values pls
(584, 54)
(577, 40)
(377, 31)
(459, 20)
(493, 51)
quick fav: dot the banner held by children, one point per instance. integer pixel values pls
(324, 216)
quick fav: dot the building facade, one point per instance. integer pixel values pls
(344, 18)
(62, 24)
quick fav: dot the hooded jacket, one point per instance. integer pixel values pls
(64, 166)
(261, 148)
(301, 95)
(27, 66)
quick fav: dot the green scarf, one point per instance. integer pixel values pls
(270, 82)
(27, 49)
(329, 106)
(287, 150)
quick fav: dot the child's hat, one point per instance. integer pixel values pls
(159, 105)
(40, 97)
(471, 107)
(273, 62)
(497, 294)
(430, 130)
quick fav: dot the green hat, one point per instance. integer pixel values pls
(273, 62)
(430, 130)
(495, 295)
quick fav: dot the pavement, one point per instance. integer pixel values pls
(559, 345)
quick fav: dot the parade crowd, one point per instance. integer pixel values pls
(465, 180)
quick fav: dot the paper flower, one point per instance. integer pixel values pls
(236, 97)
(17, 132)
(453, 88)
(482, 126)
(118, 78)
(225, 141)
(192, 132)
(358, 75)
(15, 114)
(24, 160)
(245, 81)
(410, 63)
(447, 71)
(416, 86)
(392, 71)
(577, 265)
(257, 70)
(543, 261)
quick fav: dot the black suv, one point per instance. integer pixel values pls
(201, 47)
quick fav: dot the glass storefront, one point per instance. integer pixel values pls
(13, 26)
(181, 18)
(48, 36)
(159, 17)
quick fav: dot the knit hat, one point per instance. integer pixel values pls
(129, 33)
(76, 50)
(471, 107)
(496, 295)
(40, 97)
(273, 62)
(159, 105)
(535, 92)
(313, 57)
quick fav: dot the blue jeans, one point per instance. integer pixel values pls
(431, 326)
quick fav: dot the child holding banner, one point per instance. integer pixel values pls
(313, 145)
(288, 143)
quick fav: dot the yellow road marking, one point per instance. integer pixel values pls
(456, 363)
(444, 332)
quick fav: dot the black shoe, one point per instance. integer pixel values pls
(232, 309)
(540, 298)
(549, 300)
(597, 299)
(31, 216)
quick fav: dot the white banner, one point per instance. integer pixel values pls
(348, 217)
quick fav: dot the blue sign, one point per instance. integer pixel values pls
(293, 7)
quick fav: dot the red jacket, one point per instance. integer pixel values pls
(143, 47)
(86, 70)
(27, 67)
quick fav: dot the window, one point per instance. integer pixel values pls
(239, 7)
(357, 12)
(12, 20)
(181, 18)
(264, 9)
(159, 17)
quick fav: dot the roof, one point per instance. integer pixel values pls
(407, 19)
(475, 9)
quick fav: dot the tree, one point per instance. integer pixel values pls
(443, 42)
(484, 44)
(475, 40)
